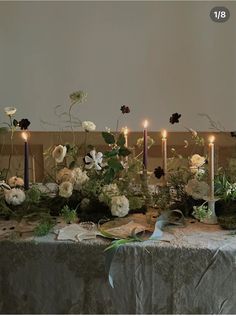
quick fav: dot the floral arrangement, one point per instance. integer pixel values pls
(92, 185)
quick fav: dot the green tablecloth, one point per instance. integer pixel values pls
(193, 270)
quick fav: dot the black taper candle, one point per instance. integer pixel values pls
(26, 162)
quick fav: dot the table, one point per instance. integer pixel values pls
(192, 270)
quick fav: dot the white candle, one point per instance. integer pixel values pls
(126, 135)
(164, 154)
(145, 145)
(211, 166)
(125, 131)
(26, 160)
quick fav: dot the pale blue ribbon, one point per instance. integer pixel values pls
(166, 218)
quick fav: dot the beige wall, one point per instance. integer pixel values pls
(225, 149)
(157, 57)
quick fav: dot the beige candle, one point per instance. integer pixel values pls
(164, 154)
(211, 166)
(126, 135)
(125, 131)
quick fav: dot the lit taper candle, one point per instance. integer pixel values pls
(26, 160)
(211, 166)
(164, 153)
(145, 145)
(126, 131)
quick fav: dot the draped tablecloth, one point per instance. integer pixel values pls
(192, 270)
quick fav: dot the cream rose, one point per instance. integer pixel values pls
(16, 182)
(14, 196)
(65, 189)
(119, 206)
(108, 191)
(80, 177)
(59, 153)
(197, 161)
(65, 174)
(88, 126)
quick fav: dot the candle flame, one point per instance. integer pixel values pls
(145, 124)
(212, 139)
(164, 133)
(24, 136)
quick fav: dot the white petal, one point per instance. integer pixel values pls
(93, 154)
(97, 167)
(89, 166)
(88, 159)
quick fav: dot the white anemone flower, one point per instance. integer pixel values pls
(10, 110)
(14, 196)
(59, 153)
(94, 160)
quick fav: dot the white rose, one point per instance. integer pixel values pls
(197, 189)
(197, 161)
(108, 191)
(14, 196)
(80, 177)
(10, 110)
(59, 153)
(66, 189)
(119, 206)
(16, 182)
(88, 126)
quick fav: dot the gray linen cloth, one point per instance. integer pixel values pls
(192, 270)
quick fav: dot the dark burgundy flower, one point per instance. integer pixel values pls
(175, 118)
(24, 124)
(125, 109)
(233, 134)
(159, 172)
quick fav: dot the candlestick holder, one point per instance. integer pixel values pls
(144, 176)
(212, 219)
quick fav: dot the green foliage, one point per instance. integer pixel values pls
(33, 195)
(112, 153)
(121, 140)
(68, 215)
(44, 227)
(136, 202)
(224, 188)
(3, 174)
(123, 151)
(108, 137)
(5, 210)
(162, 198)
(201, 212)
